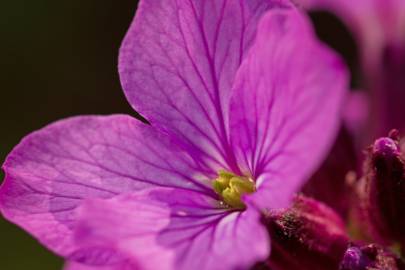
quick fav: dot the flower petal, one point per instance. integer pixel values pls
(177, 65)
(52, 170)
(79, 266)
(166, 228)
(285, 107)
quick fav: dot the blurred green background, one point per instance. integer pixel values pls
(59, 59)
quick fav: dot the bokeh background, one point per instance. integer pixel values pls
(59, 59)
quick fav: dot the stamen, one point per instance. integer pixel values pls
(232, 187)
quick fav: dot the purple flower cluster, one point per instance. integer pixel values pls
(243, 104)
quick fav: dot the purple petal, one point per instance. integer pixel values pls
(79, 266)
(174, 229)
(52, 170)
(177, 65)
(285, 110)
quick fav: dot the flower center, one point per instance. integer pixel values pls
(232, 187)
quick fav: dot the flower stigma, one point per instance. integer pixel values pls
(232, 187)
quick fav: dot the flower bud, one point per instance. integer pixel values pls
(309, 235)
(382, 191)
(370, 257)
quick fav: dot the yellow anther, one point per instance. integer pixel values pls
(222, 182)
(232, 187)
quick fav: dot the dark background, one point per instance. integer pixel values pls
(58, 59)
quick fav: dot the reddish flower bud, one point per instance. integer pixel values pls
(382, 191)
(370, 257)
(309, 235)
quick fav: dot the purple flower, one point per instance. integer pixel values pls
(379, 28)
(243, 103)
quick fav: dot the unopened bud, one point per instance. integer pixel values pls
(382, 191)
(370, 257)
(309, 235)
